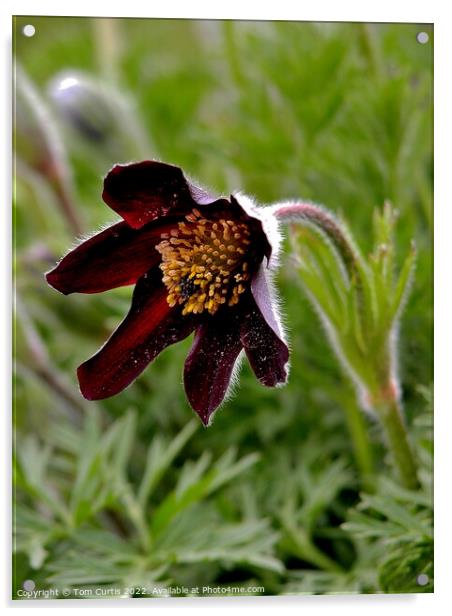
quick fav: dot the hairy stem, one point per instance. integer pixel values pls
(390, 414)
(314, 215)
(382, 398)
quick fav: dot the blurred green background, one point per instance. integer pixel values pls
(132, 493)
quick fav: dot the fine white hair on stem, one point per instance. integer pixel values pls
(320, 218)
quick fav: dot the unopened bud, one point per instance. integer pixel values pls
(96, 112)
(38, 144)
(36, 138)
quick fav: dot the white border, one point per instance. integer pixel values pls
(346, 10)
(384, 10)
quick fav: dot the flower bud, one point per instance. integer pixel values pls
(97, 113)
(38, 145)
(35, 136)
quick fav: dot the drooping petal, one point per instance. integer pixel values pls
(263, 296)
(209, 365)
(261, 335)
(150, 327)
(115, 257)
(141, 192)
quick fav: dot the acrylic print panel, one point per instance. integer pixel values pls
(200, 206)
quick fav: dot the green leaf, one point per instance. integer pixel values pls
(159, 457)
(196, 483)
(403, 286)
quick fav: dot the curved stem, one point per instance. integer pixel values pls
(325, 221)
(383, 399)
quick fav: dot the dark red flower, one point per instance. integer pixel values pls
(199, 264)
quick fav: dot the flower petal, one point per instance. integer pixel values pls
(150, 327)
(113, 258)
(261, 335)
(209, 365)
(255, 217)
(264, 297)
(141, 192)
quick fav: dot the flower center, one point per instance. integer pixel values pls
(204, 264)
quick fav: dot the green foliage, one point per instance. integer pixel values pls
(131, 491)
(360, 308)
(360, 302)
(93, 523)
(396, 526)
(392, 533)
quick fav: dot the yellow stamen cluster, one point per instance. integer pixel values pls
(203, 263)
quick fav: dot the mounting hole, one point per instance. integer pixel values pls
(422, 579)
(422, 38)
(29, 30)
(29, 585)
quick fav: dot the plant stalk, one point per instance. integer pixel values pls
(384, 399)
(315, 215)
(362, 447)
(390, 414)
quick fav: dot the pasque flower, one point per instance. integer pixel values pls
(200, 264)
